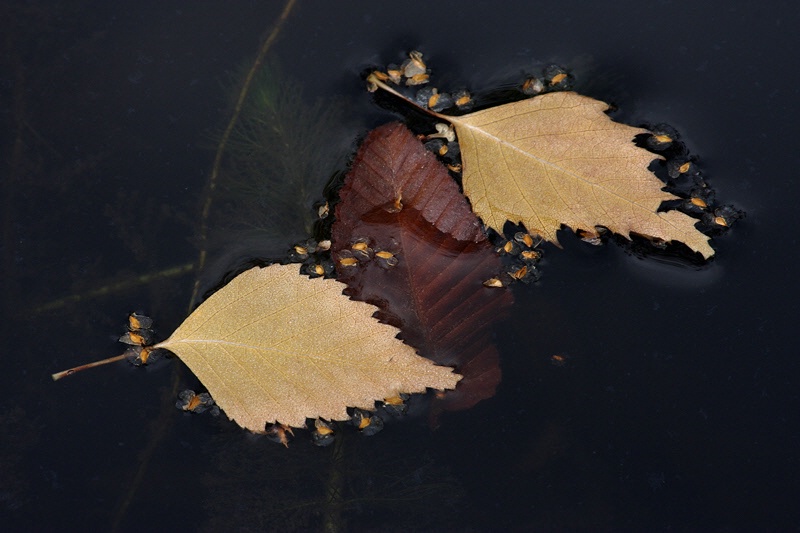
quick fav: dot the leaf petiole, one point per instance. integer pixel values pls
(69, 372)
(373, 80)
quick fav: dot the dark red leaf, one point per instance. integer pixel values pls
(392, 169)
(399, 199)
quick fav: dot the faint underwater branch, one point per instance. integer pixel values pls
(114, 287)
(212, 180)
(162, 423)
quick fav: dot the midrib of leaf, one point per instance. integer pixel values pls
(167, 345)
(475, 130)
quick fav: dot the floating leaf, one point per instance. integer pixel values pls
(274, 346)
(559, 159)
(399, 200)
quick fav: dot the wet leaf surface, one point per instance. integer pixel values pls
(274, 346)
(559, 159)
(434, 293)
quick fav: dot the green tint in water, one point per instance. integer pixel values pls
(278, 158)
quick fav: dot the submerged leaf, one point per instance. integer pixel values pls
(274, 346)
(392, 171)
(398, 199)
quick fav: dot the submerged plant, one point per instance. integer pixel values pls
(279, 155)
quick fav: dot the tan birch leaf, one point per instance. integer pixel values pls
(559, 159)
(275, 346)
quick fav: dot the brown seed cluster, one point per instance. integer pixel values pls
(522, 256)
(685, 179)
(324, 432)
(139, 337)
(314, 257)
(414, 72)
(552, 78)
(192, 402)
(361, 252)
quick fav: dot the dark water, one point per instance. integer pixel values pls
(677, 408)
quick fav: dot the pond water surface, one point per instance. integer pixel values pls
(677, 407)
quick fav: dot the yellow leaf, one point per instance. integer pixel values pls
(559, 159)
(275, 346)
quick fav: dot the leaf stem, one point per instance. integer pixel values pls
(70, 371)
(372, 78)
